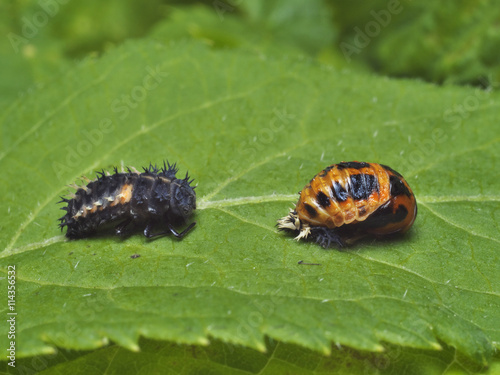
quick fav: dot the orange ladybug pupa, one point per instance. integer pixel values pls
(349, 200)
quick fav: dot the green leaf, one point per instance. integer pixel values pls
(428, 42)
(306, 24)
(43, 38)
(267, 27)
(252, 130)
(219, 358)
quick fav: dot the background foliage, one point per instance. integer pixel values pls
(253, 98)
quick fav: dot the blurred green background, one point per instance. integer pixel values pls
(442, 42)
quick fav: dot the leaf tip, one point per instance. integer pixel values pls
(326, 350)
(260, 346)
(203, 341)
(133, 347)
(436, 346)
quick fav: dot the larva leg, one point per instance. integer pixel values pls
(184, 232)
(327, 237)
(120, 228)
(171, 230)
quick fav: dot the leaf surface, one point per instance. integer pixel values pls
(252, 130)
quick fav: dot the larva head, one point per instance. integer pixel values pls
(182, 200)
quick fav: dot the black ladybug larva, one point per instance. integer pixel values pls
(350, 199)
(153, 198)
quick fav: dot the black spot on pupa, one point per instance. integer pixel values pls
(363, 185)
(398, 187)
(391, 170)
(353, 165)
(323, 200)
(384, 215)
(339, 193)
(310, 210)
(325, 171)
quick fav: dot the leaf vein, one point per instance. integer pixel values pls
(448, 221)
(64, 103)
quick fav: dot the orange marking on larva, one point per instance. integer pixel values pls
(79, 213)
(97, 207)
(124, 196)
